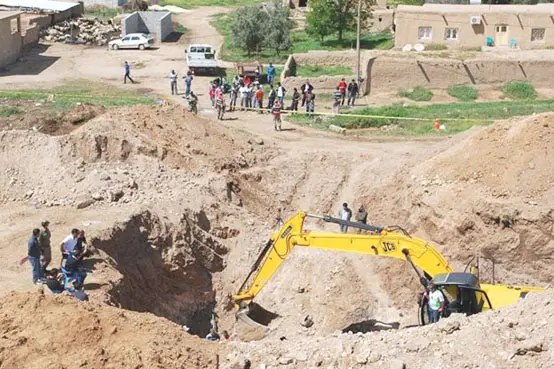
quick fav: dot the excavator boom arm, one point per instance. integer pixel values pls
(380, 243)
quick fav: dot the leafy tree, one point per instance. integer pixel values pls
(319, 19)
(277, 27)
(339, 15)
(247, 31)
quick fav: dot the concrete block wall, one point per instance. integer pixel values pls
(10, 44)
(158, 24)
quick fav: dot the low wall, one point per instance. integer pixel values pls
(31, 36)
(389, 71)
(392, 74)
(158, 24)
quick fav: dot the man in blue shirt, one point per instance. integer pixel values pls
(127, 73)
(33, 254)
(270, 71)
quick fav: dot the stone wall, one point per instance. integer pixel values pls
(10, 43)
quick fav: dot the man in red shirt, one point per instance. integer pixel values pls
(342, 89)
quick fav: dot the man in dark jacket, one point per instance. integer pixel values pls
(352, 92)
(305, 90)
(33, 254)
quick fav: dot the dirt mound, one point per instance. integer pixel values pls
(45, 331)
(47, 119)
(519, 336)
(511, 158)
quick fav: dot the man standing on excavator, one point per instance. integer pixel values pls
(345, 214)
(435, 303)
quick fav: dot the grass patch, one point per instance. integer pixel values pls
(519, 90)
(419, 93)
(475, 113)
(463, 92)
(69, 95)
(301, 42)
(435, 47)
(180, 28)
(8, 111)
(194, 3)
(322, 70)
(102, 12)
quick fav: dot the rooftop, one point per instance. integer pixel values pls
(8, 14)
(56, 6)
(477, 9)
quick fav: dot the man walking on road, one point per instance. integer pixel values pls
(45, 249)
(173, 80)
(127, 73)
(345, 214)
(270, 71)
(33, 253)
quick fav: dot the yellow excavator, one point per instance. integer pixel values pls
(462, 290)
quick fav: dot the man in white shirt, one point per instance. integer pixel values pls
(68, 243)
(281, 91)
(173, 79)
(435, 303)
(345, 214)
(243, 90)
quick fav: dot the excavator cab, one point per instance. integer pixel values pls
(462, 295)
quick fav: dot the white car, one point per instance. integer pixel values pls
(132, 41)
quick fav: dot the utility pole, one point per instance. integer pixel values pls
(358, 42)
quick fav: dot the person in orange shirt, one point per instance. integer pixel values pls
(259, 99)
(342, 89)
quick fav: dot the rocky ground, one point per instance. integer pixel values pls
(179, 207)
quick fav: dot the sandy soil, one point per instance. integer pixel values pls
(178, 208)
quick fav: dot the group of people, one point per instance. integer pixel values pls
(73, 248)
(343, 91)
(345, 213)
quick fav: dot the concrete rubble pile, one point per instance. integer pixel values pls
(89, 31)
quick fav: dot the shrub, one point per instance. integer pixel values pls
(417, 94)
(520, 90)
(463, 92)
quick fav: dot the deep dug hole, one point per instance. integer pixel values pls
(163, 268)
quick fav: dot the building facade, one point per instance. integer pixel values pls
(456, 26)
(158, 24)
(11, 42)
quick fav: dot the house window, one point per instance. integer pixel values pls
(451, 34)
(425, 33)
(537, 34)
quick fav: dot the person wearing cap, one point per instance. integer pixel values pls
(45, 249)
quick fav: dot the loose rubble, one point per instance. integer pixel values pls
(89, 31)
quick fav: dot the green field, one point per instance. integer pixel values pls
(71, 94)
(477, 114)
(301, 42)
(322, 70)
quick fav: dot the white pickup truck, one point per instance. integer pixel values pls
(201, 58)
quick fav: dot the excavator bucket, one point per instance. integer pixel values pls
(252, 322)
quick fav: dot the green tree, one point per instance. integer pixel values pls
(247, 31)
(319, 19)
(277, 27)
(339, 15)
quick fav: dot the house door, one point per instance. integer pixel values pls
(501, 38)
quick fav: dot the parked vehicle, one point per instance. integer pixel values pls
(201, 59)
(132, 41)
(249, 69)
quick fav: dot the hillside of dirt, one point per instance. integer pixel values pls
(178, 208)
(38, 330)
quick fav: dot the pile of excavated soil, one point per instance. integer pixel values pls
(45, 331)
(519, 336)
